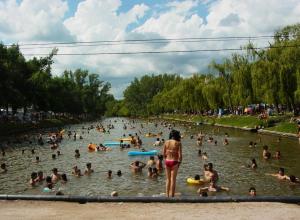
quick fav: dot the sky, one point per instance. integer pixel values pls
(44, 21)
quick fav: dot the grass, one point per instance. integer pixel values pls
(11, 128)
(285, 127)
(274, 123)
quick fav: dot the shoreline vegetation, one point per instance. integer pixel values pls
(14, 128)
(274, 125)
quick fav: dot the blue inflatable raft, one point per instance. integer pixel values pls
(146, 153)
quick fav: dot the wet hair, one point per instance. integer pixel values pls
(88, 165)
(251, 143)
(109, 172)
(48, 179)
(265, 147)
(136, 163)
(292, 178)
(64, 177)
(199, 152)
(54, 170)
(253, 161)
(197, 177)
(157, 139)
(175, 135)
(210, 165)
(33, 175)
(53, 156)
(37, 158)
(252, 189)
(76, 151)
(119, 173)
(281, 170)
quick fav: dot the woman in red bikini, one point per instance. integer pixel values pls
(173, 156)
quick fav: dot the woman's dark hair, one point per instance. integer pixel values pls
(292, 178)
(175, 135)
(64, 177)
(48, 179)
(33, 175)
(197, 177)
(252, 188)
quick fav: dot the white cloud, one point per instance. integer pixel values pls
(42, 20)
(33, 20)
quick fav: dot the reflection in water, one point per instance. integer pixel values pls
(229, 161)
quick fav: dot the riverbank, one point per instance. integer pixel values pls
(63, 210)
(12, 128)
(274, 125)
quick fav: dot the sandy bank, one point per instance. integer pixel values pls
(62, 210)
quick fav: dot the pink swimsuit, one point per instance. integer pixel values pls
(171, 163)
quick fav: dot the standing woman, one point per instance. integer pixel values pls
(173, 156)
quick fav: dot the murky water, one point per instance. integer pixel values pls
(228, 160)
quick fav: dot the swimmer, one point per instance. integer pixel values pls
(58, 153)
(33, 177)
(266, 154)
(213, 174)
(154, 173)
(64, 178)
(253, 164)
(157, 142)
(40, 177)
(53, 156)
(210, 139)
(199, 153)
(251, 144)
(277, 155)
(199, 142)
(109, 174)
(55, 176)
(213, 188)
(3, 167)
(280, 175)
(32, 151)
(77, 172)
(204, 156)
(149, 171)
(49, 183)
(252, 191)
(294, 180)
(151, 162)
(225, 142)
(137, 166)
(88, 170)
(119, 173)
(216, 143)
(37, 159)
(77, 154)
(159, 163)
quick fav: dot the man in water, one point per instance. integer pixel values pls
(137, 166)
(280, 175)
(88, 170)
(55, 177)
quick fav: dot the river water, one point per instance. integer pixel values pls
(228, 160)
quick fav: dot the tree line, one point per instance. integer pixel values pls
(30, 83)
(270, 75)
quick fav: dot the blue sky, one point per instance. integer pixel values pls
(42, 21)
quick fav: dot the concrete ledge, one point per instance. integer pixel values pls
(146, 199)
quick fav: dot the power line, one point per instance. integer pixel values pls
(148, 40)
(162, 52)
(135, 43)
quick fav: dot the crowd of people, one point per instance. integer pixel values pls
(168, 162)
